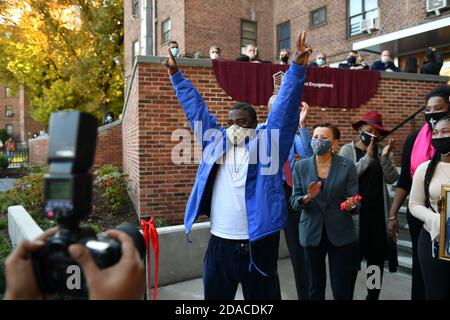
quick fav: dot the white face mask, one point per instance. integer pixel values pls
(320, 62)
(214, 56)
(385, 59)
(237, 134)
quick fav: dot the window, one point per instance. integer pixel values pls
(165, 31)
(8, 111)
(359, 10)
(135, 8)
(318, 17)
(9, 129)
(284, 36)
(248, 34)
(136, 50)
(8, 93)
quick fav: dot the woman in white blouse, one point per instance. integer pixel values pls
(423, 204)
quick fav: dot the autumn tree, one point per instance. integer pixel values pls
(66, 52)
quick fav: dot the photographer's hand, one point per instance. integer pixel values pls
(123, 281)
(20, 281)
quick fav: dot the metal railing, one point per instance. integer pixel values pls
(20, 157)
(411, 118)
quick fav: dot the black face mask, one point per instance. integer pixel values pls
(366, 138)
(285, 59)
(351, 60)
(433, 118)
(442, 145)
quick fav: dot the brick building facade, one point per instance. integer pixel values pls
(14, 115)
(334, 27)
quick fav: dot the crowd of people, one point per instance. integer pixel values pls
(432, 63)
(333, 202)
(329, 203)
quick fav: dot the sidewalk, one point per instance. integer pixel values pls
(6, 184)
(396, 286)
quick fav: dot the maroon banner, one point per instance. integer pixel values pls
(254, 83)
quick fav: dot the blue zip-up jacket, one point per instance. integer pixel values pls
(264, 194)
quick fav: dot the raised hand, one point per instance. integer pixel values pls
(388, 148)
(314, 189)
(170, 63)
(303, 50)
(303, 114)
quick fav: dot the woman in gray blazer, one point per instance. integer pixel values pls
(321, 184)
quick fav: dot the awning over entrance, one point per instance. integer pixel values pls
(411, 40)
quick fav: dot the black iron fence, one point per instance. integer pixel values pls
(20, 157)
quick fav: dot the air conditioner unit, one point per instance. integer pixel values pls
(436, 5)
(370, 24)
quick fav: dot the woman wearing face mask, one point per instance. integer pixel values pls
(417, 149)
(375, 166)
(321, 184)
(423, 204)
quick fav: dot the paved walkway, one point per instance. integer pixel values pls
(6, 184)
(396, 286)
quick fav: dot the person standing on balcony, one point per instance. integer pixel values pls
(243, 197)
(433, 62)
(385, 64)
(376, 167)
(416, 150)
(423, 204)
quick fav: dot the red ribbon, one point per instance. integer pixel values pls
(151, 235)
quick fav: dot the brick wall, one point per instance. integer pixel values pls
(38, 150)
(109, 147)
(161, 188)
(219, 22)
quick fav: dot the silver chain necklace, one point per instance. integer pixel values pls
(237, 168)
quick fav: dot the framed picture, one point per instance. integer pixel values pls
(444, 242)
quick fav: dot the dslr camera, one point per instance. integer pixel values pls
(68, 199)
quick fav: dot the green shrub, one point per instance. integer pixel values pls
(3, 135)
(4, 163)
(111, 189)
(5, 249)
(29, 192)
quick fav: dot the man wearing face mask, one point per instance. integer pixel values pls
(214, 52)
(385, 64)
(354, 62)
(417, 150)
(251, 55)
(321, 61)
(376, 167)
(173, 45)
(242, 197)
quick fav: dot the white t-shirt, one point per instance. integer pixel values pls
(228, 209)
